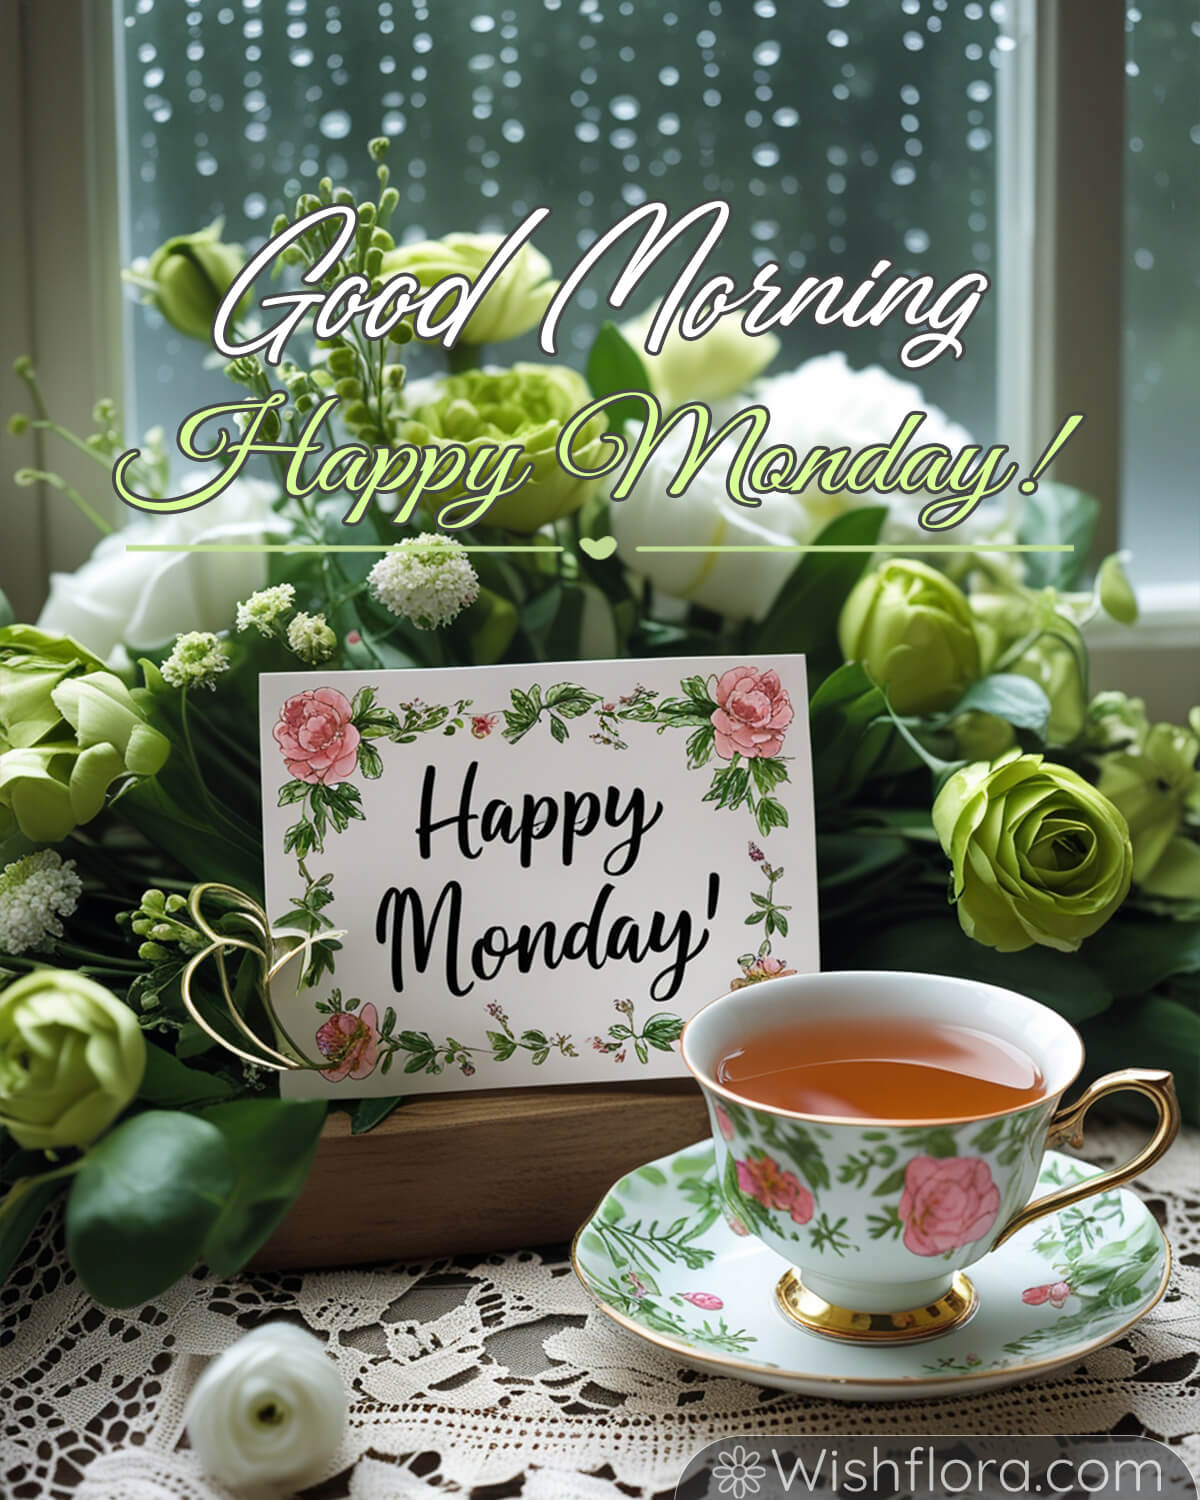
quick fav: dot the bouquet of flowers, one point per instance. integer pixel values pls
(979, 811)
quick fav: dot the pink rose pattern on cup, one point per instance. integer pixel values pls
(753, 711)
(764, 1180)
(947, 1203)
(318, 741)
(779, 1177)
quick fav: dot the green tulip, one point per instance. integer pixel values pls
(912, 630)
(66, 734)
(513, 303)
(49, 790)
(527, 404)
(72, 1058)
(103, 711)
(187, 277)
(1157, 788)
(32, 664)
(1038, 854)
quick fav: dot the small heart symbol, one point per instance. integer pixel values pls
(598, 547)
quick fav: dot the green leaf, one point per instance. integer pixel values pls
(804, 617)
(6, 618)
(271, 1143)
(143, 1203)
(169, 1084)
(19, 1212)
(614, 365)
(370, 762)
(1135, 954)
(558, 729)
(1018, 700)
(1158, 1031)
(892, 1183)
(849, 858)
(1056, 514)
(367, 1113)
(938, 945)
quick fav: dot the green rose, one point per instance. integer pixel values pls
(1038, 854)
(530, 405)
(71, 1059)
(1025, 633)
(187, 277)
(912, 630)
(68, 730)
(1157, 788)
(513, 303)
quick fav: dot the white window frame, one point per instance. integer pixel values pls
(1059, 276)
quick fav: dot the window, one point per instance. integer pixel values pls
(1160, 489)
(839, 132)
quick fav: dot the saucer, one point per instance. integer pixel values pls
(661, 1260)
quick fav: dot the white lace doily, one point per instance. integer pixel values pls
(498, 1371)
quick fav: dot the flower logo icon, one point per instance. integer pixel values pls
(738, 1473)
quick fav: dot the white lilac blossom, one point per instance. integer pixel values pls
(310, 637)
(197, 659)
(427, 579)
(262, 610)
(269, 1411)
(34, 893)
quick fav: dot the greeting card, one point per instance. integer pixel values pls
(531, 874)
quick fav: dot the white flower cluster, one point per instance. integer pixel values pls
(427, 579)
(263, 609)
(197, 659)
(34, 893)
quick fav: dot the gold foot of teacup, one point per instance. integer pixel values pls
(804, 1308)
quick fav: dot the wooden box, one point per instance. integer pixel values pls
(496, 1170)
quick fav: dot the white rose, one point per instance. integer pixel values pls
(739, 585)
(144, 599)
(824, 403)
(269, 1411)
(717, 364)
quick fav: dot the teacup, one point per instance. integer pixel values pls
(880, 1217)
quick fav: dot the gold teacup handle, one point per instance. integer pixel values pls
(1067, 1125)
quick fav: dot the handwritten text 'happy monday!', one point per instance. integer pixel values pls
(460, 482)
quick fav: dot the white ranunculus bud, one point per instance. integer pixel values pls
(739, 585)
(269, 1411)
(719, 363)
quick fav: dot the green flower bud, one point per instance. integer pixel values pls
(1054, 655)
(1038, 854)
(982, 736)
(72, 1058)
(514, 302)
(1157, 788)
(1116, 592)
(1116, 722)
(528, 404)
(191, 273)
(912, 629)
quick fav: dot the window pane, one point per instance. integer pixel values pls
(840, 132)
(1162, 290)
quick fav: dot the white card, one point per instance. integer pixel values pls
(541, 871)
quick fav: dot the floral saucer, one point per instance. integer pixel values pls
(661, 1260)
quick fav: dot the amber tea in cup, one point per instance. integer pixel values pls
(879, 1069)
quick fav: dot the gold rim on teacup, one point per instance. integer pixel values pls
(893, 1292)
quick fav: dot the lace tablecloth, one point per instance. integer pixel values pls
(499, 1372)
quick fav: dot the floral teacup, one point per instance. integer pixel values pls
(881, 1216)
